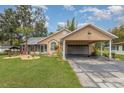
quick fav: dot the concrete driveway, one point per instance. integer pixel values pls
(97, 72)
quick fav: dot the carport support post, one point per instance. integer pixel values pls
(101, 52)
(110, 45)
(43, 48)
(63, 50)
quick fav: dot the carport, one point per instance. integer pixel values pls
(79, 48)
(82, 40)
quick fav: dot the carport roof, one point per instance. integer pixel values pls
(89, 24)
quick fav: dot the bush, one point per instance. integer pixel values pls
(2, 54)
(106, 54)
(113, 55)
(95, 52)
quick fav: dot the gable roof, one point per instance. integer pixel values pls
(55, 34)
(100, 29)
(34, 40)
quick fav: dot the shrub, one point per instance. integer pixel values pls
(106, 54)
(95, 52)
(3, 53)
(113, 55)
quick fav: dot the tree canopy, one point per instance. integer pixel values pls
(118, 31)
(70, 25)
(15, 22)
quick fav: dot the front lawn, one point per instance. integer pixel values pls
(45, 72)
(121, 57)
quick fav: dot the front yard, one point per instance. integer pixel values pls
(116, 56)
(121, 57)
(44, 72)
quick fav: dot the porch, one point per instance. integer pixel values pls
(36, 49)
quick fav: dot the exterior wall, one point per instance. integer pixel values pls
(88, 33)
(91, 50)
(119, 51)
(56, 37)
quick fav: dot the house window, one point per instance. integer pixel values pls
(53, 46)
(122, 47)
(117, 47)
(113, 47)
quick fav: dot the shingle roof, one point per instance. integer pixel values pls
(34, 40)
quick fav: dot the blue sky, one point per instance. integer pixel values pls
(103, 16)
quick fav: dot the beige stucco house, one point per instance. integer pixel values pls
(79, 41)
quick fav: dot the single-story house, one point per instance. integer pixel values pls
(3, 48)
(118, 48)
(77, 42)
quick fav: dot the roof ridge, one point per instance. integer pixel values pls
(56, 33)
(83, 26)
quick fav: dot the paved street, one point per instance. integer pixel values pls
(97, 73)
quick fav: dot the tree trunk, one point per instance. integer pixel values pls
(26, 46)
(11, 39)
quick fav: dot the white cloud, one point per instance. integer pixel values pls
(69, 7)
(81, 24)
(116, 9)
(97, 13)
(61, 23)
(120, 20)
(85, 23)
(45, 8)
(102, 14)
(41, 6)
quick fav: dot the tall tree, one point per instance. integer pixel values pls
(24, 13)
(26, 32)
(40, 28)
(51, 33)
(118, 31)
(22, 17)
(9, 23)
(70, 25)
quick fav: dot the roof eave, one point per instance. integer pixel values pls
(102, 30)
(54, 34)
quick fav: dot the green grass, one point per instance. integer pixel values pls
(121, 57)
(40, 73)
